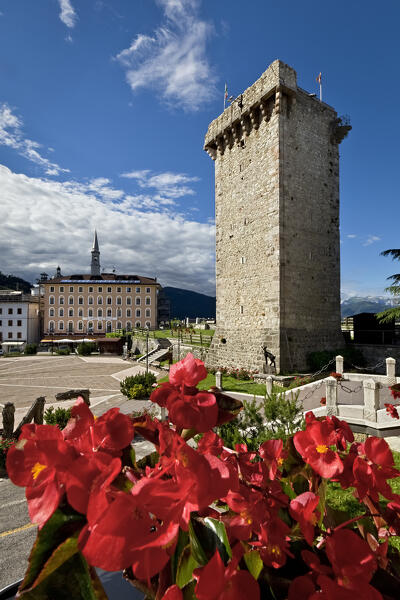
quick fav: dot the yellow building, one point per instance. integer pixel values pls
(79, 305)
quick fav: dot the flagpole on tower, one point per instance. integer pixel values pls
(225, 95)
(319, 80)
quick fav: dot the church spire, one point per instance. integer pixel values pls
(95, 264)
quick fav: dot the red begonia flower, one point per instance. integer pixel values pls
(273, 544)
(210, 443)
(314, 446)
(272, 453)
(39, 461)
(188, 371)
(392, 411)
(217, 582)
(343, 431)
(166, 391)
(198, 411)
(301, 588)
(251, 510)
(351, 558)
(173, 593)
(371, 474)
(302, 509)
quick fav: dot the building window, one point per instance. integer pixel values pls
(109, 312)
(128, 290)
(90, 326)
(99, 325)
(137, 301)
(119, 290)
(80, 326)
(119, 325)
(19, 323)
(51, 288)
(51, 312)
(109, 300)
(100, 289)
(128, 312)
(147, 290)
(138, 290)
(19, 335)
(90, 290)
(148, 324)
(119, 312)
(138, 324)
(99, 300)
(70, 312)
(71, 300)
(51, 300)
(10, 311)
(10, 322)
(138, 312)
(129, 326)
(61, 300)
(10, 335)
(99, 313)
(119, 300)
(80, 300)
(148, 300)
(71, 288)
(109, 327)
(90, 300)
(1, 324)
(80, 312)
(19, 311)
(1, 311)
(70, 327)
(80, 289)
(148, 312)
(61, 289)
(51, 326)
(60, 312)
(90, 312)
(109, 290)
(60, 325)
(129, 300)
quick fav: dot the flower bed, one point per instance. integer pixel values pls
(205, 523)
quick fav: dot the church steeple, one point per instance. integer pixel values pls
(95, 264)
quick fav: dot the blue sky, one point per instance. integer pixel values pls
(103, 109)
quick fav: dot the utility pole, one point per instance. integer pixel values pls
(147, 350)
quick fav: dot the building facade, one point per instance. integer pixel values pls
(19, 320)
(277, 225)
(81, 304)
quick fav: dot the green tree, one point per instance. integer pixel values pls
(391, 313)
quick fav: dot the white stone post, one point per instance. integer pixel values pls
(371, 399)
(390, 371)
(163, 413)
(218, 380)
(331, 396)
(268, 385)
(339, 364)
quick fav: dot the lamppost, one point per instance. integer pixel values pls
(147, 349)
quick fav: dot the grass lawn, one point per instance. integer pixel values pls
(230, 384)
(166, 333)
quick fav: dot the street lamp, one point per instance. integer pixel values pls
(147, 349)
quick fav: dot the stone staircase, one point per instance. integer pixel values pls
(154, 355)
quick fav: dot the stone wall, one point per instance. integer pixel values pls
(374, 354)
(277, 229)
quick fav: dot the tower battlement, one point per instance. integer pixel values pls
(277, 224)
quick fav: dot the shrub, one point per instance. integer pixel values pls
(352, 356)
(57, 416)
(86, 348)
(5, 445)
(138, 386)
(63, 351)
(30, 349)
(277, 417)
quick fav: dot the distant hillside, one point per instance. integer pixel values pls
(185, 303)
(14, 283)
(370, 304)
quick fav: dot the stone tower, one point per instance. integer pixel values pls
(95, 264)
(277, 225)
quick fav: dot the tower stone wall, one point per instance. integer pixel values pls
(277, 225)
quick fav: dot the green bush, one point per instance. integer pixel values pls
(30, 349)
(63, 351)
(86, 348)
(138, 386)
(352, 356)
(276, 417)
(59, 416)
(5, 445)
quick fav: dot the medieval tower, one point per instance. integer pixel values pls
(277, 225)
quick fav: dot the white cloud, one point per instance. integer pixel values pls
(173, 60)
(11, 135)
(171, 185)
(351, 236)
(371, 239)
(51, 223)
(67, 13)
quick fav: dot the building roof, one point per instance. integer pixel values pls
(17, 296)
(103, 278)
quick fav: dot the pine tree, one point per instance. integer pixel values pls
(387, 316)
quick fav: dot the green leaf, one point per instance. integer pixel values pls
(197, 551)
(183, 540)
(253, 563)
(148, 461)
(186, 565)
(61, 525)
(58, 558)
(219, 529)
